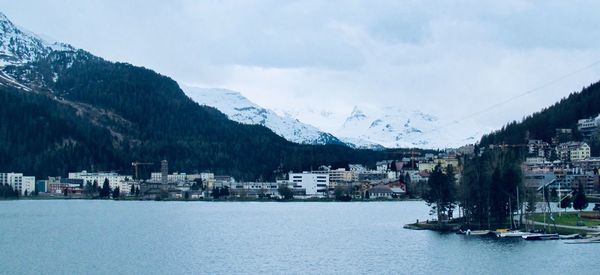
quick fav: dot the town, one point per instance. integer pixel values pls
(561, 166)
(388, 180)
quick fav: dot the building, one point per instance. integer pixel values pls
(315, 185)
(562, 135)
(570, 182)
(55, 186)
(573, 151)
(164, 172)
(172, 178)
(338, 176)
(357, 167)
(254, 189)
(538, 148)
(535, 160)
(114, 179)
(23, 184)
(588, 164)
(383, 165)
(372, 175)
(381, 192)
(41, 186)
(588, 127)
(534, 180)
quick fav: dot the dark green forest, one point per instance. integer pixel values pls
(542, 125)
(88, 113)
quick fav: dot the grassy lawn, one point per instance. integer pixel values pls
(568, 218)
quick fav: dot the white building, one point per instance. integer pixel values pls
(588, 127)
(573, 151)
(339, 175)
(315, 184)
(175, 177)
(18, 182)
(114, 179)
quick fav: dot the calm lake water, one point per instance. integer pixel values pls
(104, 237)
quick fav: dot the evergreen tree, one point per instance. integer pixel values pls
(580, 200)
(105, 191)
(565, 202)
(116, 193)
(285, 192)
(441, 193)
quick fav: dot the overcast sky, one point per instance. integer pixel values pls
(449, 58)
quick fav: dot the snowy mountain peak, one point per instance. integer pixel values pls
(356, 115)
(240, 109)
(18, 46)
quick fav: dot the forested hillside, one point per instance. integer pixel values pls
(542, 125)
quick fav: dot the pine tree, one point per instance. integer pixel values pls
(580, 200)
(116, 193)
(105, 191)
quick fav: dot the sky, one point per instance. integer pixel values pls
(447, 58)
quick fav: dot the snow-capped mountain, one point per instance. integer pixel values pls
(391, 127)
(18, 46)
(240, 109)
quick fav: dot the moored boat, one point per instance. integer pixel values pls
(513, 234)
(477, 232)
(570, 237)
(585, 241)
(541, 237)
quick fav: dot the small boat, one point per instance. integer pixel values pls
(585, 241)
(570, 237)
(513, 234)
(541, 237)
(477, 232)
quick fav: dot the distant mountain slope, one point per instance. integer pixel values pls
(542, 125)
(240, 109)
(391, 127)
(64, 109)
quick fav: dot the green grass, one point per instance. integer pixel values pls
(568, 218)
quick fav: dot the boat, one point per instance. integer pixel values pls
(513, 234)
(585, 241)
(570, 237)
(541, 237)
(477, 232)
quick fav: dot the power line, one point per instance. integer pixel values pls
(527, 92)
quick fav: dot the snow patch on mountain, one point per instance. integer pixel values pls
(391, 127)
(18, 46)
(240, 109)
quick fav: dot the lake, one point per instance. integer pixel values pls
(135, 237)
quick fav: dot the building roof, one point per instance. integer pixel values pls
(381, 189)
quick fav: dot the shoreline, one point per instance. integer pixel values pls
(51, 198)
